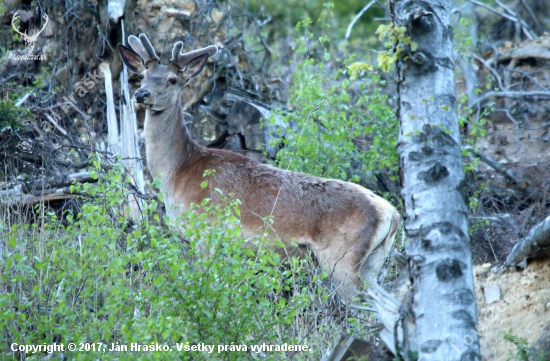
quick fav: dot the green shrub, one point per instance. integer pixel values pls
(96, 277)
(341, 117)
(10, 115)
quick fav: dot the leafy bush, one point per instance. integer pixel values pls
(337, 112)
(10, 115)
(96, 277)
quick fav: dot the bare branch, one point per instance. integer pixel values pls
(512, 16)
(489, 67)
(359, 14)
(514, 94)
(493, 10)
(526, 53)
(532, 14)
(23, 99)
(55, 124)
(498, 167)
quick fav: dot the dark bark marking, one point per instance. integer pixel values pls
(430, 346)
(423, 154)
(406, 106)
(463, 189)
(442, 140)
(424, 67)
(438, 137)
(447, 99)
(449, 33)
(419, 138)
(418, 58)
(464, 316)
(449, 269)
(469, 356)
(427, 151)
(462, 296)
(445, 33)
(448, 232)
(445, 63)
(435, 173)
(423, 25)
(426, 243)
(445, 228)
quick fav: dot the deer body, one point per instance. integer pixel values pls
(349, 229)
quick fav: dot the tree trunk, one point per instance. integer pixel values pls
(434, 189)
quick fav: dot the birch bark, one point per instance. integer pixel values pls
(434, 188)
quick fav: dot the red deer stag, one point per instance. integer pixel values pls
(349, 229)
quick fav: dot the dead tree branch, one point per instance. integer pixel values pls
(508, 14)
(535, 245)
(357, 17)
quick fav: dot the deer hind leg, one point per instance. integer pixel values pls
(350, 256)
(342, 268)
(375, 259)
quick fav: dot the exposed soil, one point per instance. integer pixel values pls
(522, 308)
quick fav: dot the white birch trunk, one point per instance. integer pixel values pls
(130, 150)
(434, 189)
(130, 140)
(112, 126)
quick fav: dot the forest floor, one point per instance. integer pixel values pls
(513, 302)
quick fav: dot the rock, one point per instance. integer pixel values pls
(482, 270)
(115, 9)
(216, 15)
(62, 77)
(245, 120)
(48, 30)
(492, 293)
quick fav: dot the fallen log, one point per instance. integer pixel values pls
(535, 245)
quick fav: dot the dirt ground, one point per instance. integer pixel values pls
(512, 300)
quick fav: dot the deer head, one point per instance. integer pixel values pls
(160, 84)
(29, 40)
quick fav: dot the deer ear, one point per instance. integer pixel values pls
(132, 60)
(195, 66)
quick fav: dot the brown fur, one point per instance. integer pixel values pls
(349, 229)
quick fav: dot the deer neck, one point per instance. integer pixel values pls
(169, 146)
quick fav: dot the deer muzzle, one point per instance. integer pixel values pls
(141, 95)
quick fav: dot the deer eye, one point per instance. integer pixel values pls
(141, 77)
(173, 81)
